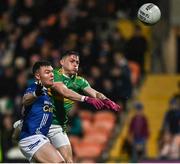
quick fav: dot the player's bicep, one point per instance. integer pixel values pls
(59, 87)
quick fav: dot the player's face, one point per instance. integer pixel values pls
(70, 64)
(45, 75)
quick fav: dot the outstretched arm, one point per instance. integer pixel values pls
(60, 88)
(109, 104)
(93, 93)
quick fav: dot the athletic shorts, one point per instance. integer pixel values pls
(57, 137)
(31, 144)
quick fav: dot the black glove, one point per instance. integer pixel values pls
(39, 90)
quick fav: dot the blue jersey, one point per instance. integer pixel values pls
(37, 116)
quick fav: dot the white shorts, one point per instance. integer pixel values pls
(57, 137)
(31, 144)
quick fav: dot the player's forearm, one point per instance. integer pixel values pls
(93, 93)
(15, 135)
(100, 95)
(72, 95)
(28, 99)
(67, 93)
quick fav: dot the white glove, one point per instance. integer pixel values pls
(18, 124)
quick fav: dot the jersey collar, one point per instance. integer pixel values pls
(44, 88)
(69, 77)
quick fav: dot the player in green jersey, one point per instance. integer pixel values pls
(68, 84)
(68, 75)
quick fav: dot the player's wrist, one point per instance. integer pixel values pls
(83, 98)
(104, 97)
(100, 96)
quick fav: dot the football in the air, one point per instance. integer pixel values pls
(149, 14)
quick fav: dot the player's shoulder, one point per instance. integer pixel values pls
(57, 71)
(79, 77)
(30, 88)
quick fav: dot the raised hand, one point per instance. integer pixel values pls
(111, 105)
(97, 103)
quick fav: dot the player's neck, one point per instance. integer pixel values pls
(65, 73)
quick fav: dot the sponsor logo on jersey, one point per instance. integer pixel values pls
(44, 138)
(31, 146)
(47, 108)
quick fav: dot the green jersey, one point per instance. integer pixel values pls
(63, 105)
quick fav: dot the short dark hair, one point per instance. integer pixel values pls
(39, 64)
(68, 53)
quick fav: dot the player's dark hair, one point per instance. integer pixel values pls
(68, 53)
(39, 64)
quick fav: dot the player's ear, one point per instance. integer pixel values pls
(61, 62)
(37, 75)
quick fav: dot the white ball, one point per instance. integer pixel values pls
(149, 13)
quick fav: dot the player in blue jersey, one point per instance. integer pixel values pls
(37, 118)
(29, 143)
(68, 75)
(58, 137)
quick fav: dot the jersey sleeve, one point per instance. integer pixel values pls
(30, 89)
(83, 83)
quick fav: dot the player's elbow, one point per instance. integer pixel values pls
(25, 101)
